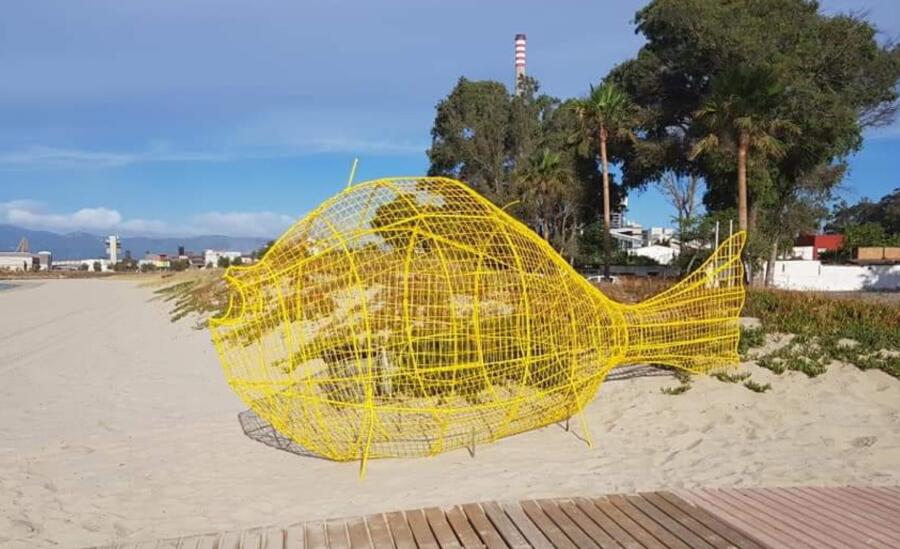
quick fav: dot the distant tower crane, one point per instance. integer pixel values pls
(23, 246)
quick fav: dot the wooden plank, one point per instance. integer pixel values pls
(717, 525)
(273, 538)
(797, 532)
(460, 524)
(667, 522)
(855, 514)
(441, 528)
(879, 497)
(848, 504)
(648, 524)
(747, 522)
(189, 542)
(483, 526)
(567, 525)
(400, 531)
(547, 527)
(709, 535)
(359, 534)
(230, 540)
(526, 527)
(634, 529)
(315, 535)
(251, 540)
(876, 517)
(294, 537)
(336, 532)
(584, 522)
(379, 532)
(420, 529)
(607, 524)
(208, 542)
(812, 516)
(504, 525)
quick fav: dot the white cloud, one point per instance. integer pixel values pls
(28, 213)
(59, 158)
(34, 215)
(242, 223)
(54, 158)
(891, 131)
(62, 158)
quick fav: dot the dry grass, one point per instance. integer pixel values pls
(633, 289)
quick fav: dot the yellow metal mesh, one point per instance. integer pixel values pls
(407, 317)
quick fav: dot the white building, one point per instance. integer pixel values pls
(76, 265)
(655, 235)
(25, 261)
(663, 255)
(113, 245)
(211, 257)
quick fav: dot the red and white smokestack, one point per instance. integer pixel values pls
(520, 61)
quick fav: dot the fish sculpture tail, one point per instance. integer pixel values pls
(695, 324)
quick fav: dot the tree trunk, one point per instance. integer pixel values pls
(770, 265)
(606, 215)
(743, 148)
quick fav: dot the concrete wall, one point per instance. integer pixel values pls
(74, 264)
(813, 275)
(15, 262)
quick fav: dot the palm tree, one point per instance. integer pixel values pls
(606, 112)
(547, 172)
(742, 113)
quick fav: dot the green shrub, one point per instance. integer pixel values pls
(820, 322)
(753, 337)
(757, 387)
(731, 378)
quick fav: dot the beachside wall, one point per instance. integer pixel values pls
(814, 276)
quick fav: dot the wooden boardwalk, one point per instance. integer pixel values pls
(685, 519)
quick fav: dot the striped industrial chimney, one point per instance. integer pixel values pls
(520, 61)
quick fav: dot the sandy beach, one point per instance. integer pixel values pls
(117, 425)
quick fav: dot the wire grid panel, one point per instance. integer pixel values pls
(410, 316)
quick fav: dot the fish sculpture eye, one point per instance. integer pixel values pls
(410, 316)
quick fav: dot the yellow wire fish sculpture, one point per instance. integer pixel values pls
(410, 316)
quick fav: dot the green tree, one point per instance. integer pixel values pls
(494, 141)
(471, 137)
(606, 113)
(885, 212)
(864, 234)
(741, 115)
(835, 80)
(545, 174)
(258, 254)
(223, 262)
(795, 209)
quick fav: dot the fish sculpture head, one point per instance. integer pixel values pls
(411, 316)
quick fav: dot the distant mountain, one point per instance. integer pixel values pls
(81, 245)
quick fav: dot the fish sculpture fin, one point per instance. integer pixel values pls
(695, 324)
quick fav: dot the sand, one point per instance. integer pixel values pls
(117, 425)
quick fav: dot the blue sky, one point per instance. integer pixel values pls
(235, 117)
